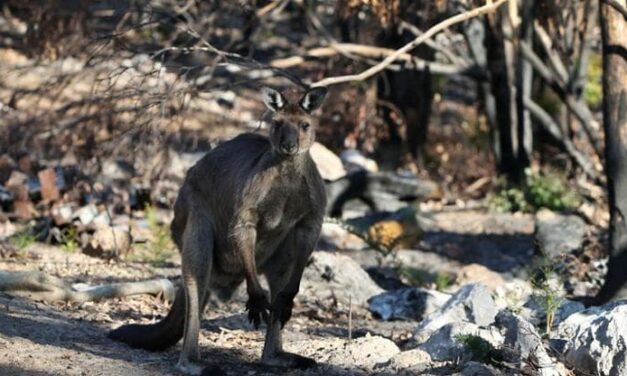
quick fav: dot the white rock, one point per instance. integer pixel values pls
(525, 344)
(558, 234)
(86, 214)
(109, 242)
(117, 170)
(331, 276)
(329, 164)
(444, 344)
(410, 359)
(363, 352)
(597, 340)
(354, 160)
(471, 304)
(410, 303)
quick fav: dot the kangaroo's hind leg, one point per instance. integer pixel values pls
(284, 277)
(197, 257)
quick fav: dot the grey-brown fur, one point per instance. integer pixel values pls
(252, 205)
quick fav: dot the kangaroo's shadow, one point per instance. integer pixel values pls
(44, 325)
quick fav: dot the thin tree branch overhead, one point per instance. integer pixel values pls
(617, 6)
(375, 52)
(488, 8)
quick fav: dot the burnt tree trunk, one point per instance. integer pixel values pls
(614, 38)
(510, 77)
(406, 94)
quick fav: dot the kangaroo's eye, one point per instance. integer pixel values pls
(304, 125)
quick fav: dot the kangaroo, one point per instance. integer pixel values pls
(254, 204)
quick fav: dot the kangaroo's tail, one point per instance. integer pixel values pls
(158, 336)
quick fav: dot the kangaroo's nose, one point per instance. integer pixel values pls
(289, 147)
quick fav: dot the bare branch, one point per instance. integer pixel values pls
(555, 61)
(554, 129)
(617, 6)
(488, 8)
(577, 107)
(349, 49)
(230, 57)
(450, 55)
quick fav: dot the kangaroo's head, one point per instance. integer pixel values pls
(292, 127)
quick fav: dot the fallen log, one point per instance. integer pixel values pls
(41, 286)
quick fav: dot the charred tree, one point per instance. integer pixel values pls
(405, 96)
(510, 78)
(614, 39)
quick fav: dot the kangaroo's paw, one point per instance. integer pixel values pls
(290, 360)
(257, 308)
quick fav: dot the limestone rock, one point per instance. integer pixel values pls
(471, 304)
(409, 303)
(477, 273)
(108, 242)
(363, 352)
(445, 344)
(416, 360)
(558, 234)
(524, 344)
(331, 276)
(597, 340)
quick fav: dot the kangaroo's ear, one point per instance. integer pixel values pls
(313, 99)
(273, 99)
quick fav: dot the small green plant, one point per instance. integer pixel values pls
(159, 243)
(508, 200)
(420, 277)
(414, 276)
(548, 292)
(159, 247)
(479, 348)
(593, 90)
(443, 281)
(68, 240)
(548, 190)
(23, 239)
(539, 190)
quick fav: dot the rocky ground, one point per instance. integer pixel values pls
(485, 321)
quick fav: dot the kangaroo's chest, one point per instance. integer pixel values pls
(281, 208)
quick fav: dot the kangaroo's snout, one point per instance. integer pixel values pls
(289, 142)
(289, 147)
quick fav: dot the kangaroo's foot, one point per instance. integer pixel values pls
(290, 360)
(257, 308)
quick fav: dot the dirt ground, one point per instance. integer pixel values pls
(37, 338)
